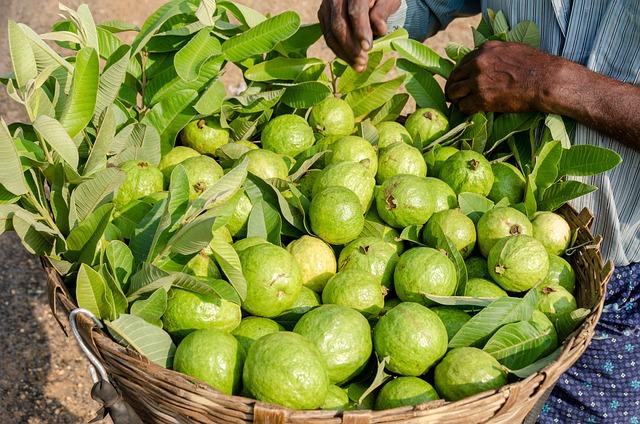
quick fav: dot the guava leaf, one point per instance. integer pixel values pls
(384, 43)
(58, 139)
(36, 238)
(265, 222)
(366, 99)
(81, 102)
(368, 131)
(423, 87)
(97, 159)
(227, 258)
(145, 230)
(298, 44)
(192, 237)
(152, 308)
(474, 205)
(508, 124)
(170, 116)
(120, 261)
(529, 202)
(411, 233)
(22, 57)
(154, 22)
(116, 26)
(557, 129)
(247, 16)
(450, 136)
(520, 344)
(91, 292)
(305, 94)
(351, 80)
(378, 380)
(274, 197)
(11, 176)
(143, 144)
(189, 59)
(478, 131)
(537, 366)
(211, 100)
(45, 56)
(115, 295)
(416, 52)
(456, 51)
(545, 170)
(89, 194)
(459, 300)
(205, 12)
(562, 192)
(525, 32)
(390, 110)
(84, 238)
(568, 322)
(280, 68)
(585, 160)
(445, 244)
(498, 22)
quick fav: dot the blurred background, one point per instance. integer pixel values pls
(43, 376)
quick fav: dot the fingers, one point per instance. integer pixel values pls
(358, 11)
(379, 14)
(324, 16)
(457, 90)
(472, 104)
(342, 32)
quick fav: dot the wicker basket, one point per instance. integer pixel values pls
(164, 396)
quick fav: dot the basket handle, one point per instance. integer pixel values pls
(102, 391)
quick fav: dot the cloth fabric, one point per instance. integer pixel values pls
(604, 36)
(604, 385)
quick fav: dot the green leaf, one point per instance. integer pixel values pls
(390, 110)
(423, 56)
(557, 129)
(248, 16)
(423, 87)
(384, 43)
(443, 243)
(264, 222)
(170, 115)
(211, 100)
(525, 32)
(145, 338)
(305, 94)
(262, 38)
(189, 60)
(478, 132)
(530, 203)
(474, 205)
(156, 21)
(120, 260)
(545, 170)
(93, 192)
(351, 79)
(87, 26)
(111, 80)
(143, 143)
(97, 159)
(366, 99)
(58, 139)
(227, 258)
(205, 12)
(507, 124)
(456, 51)
(280, 68)
(11, 176)
(499, 22)
(562, 192)
(299, 43)
(152, 308)
(115, 295)
(585, 160)
(36, 237)
(148, 279)
(91, 293)
(84, 238)
(568, 322)
(460, 300)
(22, 58)
(115, 26)
(412, 234)
(45, 56)
(145, 231)
(81, 103)
(192, 237)
(520, 344)
(537, 366)
(378, 380)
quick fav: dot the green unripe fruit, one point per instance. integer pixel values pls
(266, 164)
(141, 180)
(404, 200)
(498, 223)
(426, 125)
(336, 215)
(405, 391)
(436, 157)
(355, 289)
(350, 175)
(353, 149)
(467, 171)
(458, 227)
(518, 263)
(423, 270)
(332, 116)
(202, 173)
(390, 132)
(205, 136)
(508, 182)
(287, 135)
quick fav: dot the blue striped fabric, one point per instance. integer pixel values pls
(603, 35)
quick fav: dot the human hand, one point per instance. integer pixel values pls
(349, 26)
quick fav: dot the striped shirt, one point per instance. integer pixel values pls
(604, 36)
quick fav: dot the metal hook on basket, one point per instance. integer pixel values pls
(102, 391)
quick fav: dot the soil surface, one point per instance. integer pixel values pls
(43, 376)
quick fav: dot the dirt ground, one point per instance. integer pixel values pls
(43, 376)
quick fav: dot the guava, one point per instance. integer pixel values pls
(141, 180)
(390, 303)
(205, 136)
(423, 270)
(378, 228)
(426, 125)
(498, 223)
(405, 391)
(555, 301)
(307, 181)
(202, 173)
(203, 266)
(400, 158)
(188, 311)
(560, 273)
(355, 289)
(466, 371)
(412, 336)
(274, 279)
(353, 149)
(253, 328)
(443, 196)
(390, 132)
(518, 263)
(287, 135)
(337, 399)
(508, 182)
(435, 157)
(332, 116)
(212, 356)
(467, 171)
(452, 318)
(245, 243)
(343, 337)
(316, 260)
(458, 227)
(404, 200)
(173, 158)
(286, 369)
(266, 164)
(477, 267)
(480, 287)
(350, 175)
(552, 231)
(306, 301)
(373, 255)
(237, 224)
(336, 215)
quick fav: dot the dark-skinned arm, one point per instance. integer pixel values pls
(511, 77)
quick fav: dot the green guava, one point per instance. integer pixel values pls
(332, 116)
(355, 289)
(400, 158)
(373, 255)
(376, 227)
(336, 215)
(498, 223)
(404, 200)
(480, 287)
(412, 336)
(287, 135)
(477, 267)
(307, 181)
(458, 227)
(237, 224)
(518, 263)
(205, 136)
(390, 132)
(337, 399)
(212, 356)
(316, 260)
(554, 301)
(266, 164)
(426, 125)
(253, 328)
(552, 231)
(467, 171)
(202, 265)
(390, 303)
(343, 337)
(202, 172)
(443, 196)
(274, 279)
(405, 391)
(350, 175)
(508, 182)
(188, 311)
(141, 180)
(452, 318)
(306, 301)
(246, 243)
(353, 149)
(286, 369)
(560, 273)
(173, 158)
(466, 371)
(436, 157)
(423, 270)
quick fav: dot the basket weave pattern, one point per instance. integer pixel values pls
(165, 396)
